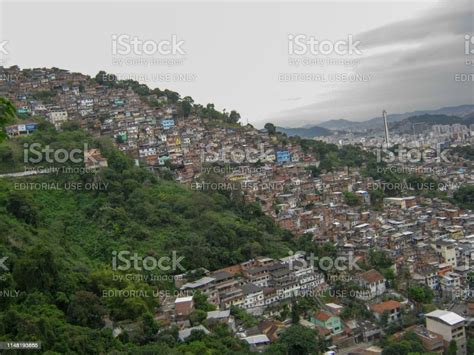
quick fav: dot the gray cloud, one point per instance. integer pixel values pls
(413, 62)
(453, 17)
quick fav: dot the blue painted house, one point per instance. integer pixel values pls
(167, 124)
(283, 156)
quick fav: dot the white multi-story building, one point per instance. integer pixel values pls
(57, 117)
(450, 326)
(374, 282)
(253, 296)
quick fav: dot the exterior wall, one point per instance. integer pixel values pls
(184, 308)
(57, 117)
(449, 255)
(392, 317)
(446, 332)
(283, 156)
(333, 324)
(375, 289)
(167, 124)
(254, 300)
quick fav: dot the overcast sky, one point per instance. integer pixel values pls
(236, 55)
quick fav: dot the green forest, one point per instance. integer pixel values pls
(58, 242)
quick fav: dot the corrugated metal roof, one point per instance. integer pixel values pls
(447, 317)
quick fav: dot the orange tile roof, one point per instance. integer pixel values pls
(372, 276)
(322, 316)
(385, 306)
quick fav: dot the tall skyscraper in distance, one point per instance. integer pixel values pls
(387, 138)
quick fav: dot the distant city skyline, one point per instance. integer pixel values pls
(289, 64)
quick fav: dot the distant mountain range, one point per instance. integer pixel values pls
(376, 123)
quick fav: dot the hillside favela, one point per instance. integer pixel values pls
(326, 210)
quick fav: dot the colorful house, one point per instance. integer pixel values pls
(283, 156)
(328, 321)
(162, 160)
(21, 129)
(22, 110)
(167, 124)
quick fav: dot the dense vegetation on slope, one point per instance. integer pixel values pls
(464, 197)
(59, 245)
(466, 152)
(7, 113)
